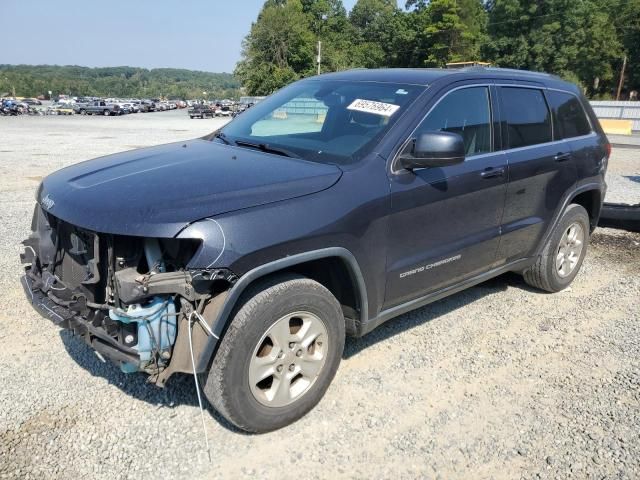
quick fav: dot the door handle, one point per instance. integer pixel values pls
(492, 172)
(562, 157)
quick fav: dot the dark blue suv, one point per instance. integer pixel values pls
(334, 205)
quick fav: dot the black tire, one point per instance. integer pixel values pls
(83, 111)
(227, 386)
(106, 113)
(544, 274)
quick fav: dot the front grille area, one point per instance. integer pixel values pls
(79, 262)
(76, 248)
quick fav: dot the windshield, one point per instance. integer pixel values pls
(321, 120)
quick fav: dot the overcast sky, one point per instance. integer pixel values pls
(195, 34)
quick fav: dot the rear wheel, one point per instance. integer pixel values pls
(279, 355)
(563, 254)
(106, 113)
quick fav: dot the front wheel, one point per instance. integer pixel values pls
(279, 355)
(563, 254)
(106, 113)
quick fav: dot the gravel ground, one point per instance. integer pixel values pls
(499, 381)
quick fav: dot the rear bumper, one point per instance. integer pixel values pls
(65, 318)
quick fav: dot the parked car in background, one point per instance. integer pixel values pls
(125, 108)
(11, 106)
(243, 107)
(201, 111)
(137, 106)
(148, 105)
(60, 109)
(17, 107)
(31, 101)
(99, 107)
(224, 111)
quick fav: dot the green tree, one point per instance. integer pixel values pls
(279, 48)
(574, 39)
(329, 24)
(31, 81)
(375, 33)
(625, 15)
(446, 31)
(581, 40)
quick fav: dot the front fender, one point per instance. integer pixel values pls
(220, 316)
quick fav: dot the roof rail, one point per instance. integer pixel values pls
(511, 70)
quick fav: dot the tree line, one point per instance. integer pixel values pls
(584, 41)
(123, 82)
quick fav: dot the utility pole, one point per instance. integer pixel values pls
(624, 65)
(320, 55)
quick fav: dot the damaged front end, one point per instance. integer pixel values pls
(129, 298)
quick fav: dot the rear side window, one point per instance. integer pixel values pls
(569, 119)
(527, 116)
(466, 112)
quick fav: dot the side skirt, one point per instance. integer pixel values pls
(393, 312)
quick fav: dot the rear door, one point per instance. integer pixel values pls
(541, 169)
(571, 123)
(445, 222)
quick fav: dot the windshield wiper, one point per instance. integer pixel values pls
(266, 148)
(222, 137)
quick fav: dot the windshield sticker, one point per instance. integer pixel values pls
(401, 91)
(371, 106)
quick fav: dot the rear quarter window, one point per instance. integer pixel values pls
(527, 116)
(569, 118)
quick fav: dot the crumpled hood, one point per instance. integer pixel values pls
(157, 191)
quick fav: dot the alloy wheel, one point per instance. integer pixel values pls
(569, 249)
(288, 359)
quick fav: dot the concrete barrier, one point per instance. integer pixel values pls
(611, 110)
(617, 127)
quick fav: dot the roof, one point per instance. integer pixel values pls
(427, 76)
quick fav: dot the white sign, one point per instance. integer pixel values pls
(371, 106)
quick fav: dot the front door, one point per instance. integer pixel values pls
(445, 222)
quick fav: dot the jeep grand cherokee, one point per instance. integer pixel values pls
(332, 206)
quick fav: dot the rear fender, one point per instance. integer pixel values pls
(569, 198)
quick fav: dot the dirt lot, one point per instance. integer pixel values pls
(499, 381)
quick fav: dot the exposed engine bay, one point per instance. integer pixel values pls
(130, 298)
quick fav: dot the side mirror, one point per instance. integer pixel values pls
(435, 149)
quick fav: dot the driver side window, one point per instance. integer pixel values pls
(466, 112)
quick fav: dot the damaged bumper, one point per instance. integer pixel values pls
(65, 318)
(128, 298)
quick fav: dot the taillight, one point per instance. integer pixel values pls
(608, 147)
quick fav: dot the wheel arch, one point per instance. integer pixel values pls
(591, 200)
(590, 194)
(328, 266)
